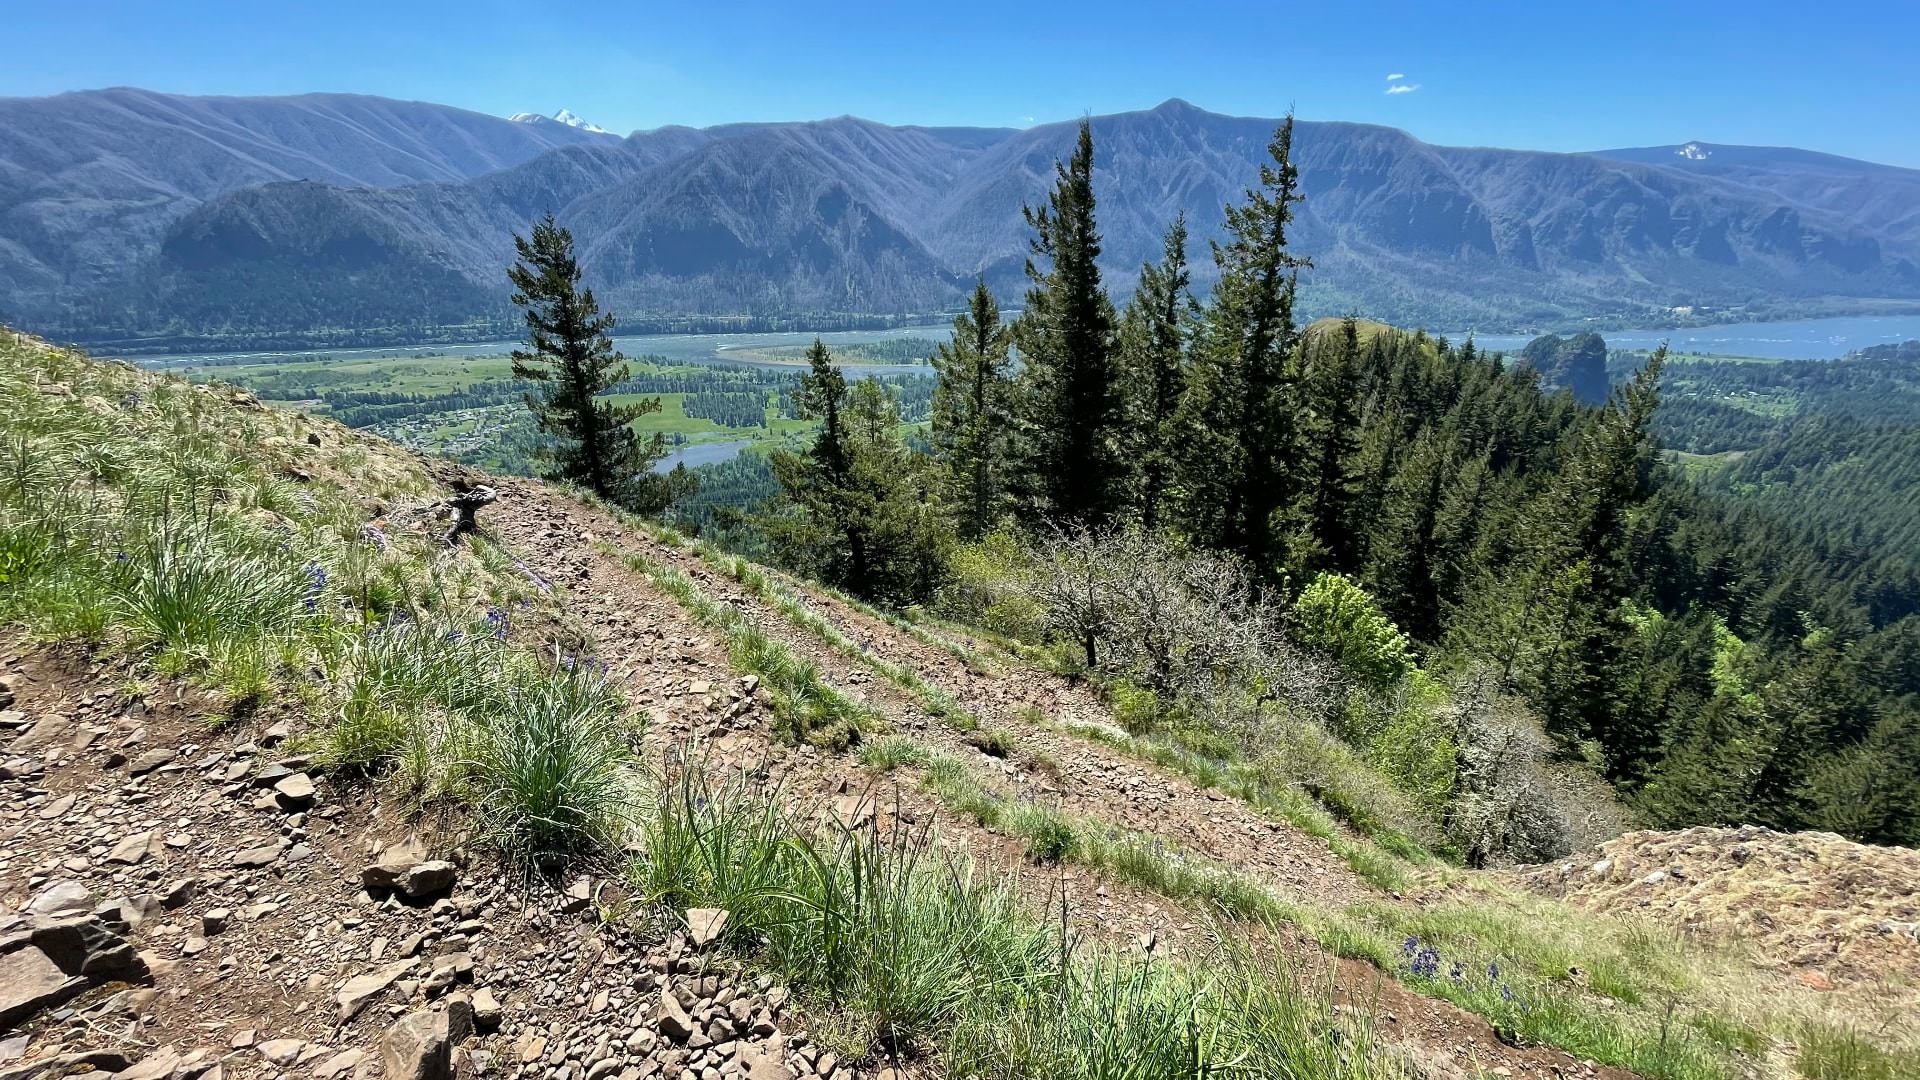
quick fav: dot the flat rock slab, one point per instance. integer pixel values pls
(30, 982)
(354, 995)
(264, 855)
(294, 793)
(132, 849)
(705, 925)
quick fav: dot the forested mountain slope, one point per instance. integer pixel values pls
(90, 181)
(849, 216)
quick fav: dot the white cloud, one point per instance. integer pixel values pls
(1403, 88)
(1395, 77)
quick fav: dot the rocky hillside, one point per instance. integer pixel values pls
(573, 797)
(1823, 907)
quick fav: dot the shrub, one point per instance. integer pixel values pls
(1341, 620)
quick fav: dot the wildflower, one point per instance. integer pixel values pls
(372, 533)
(1493, 970)
(497, 623)
(316, 585)
(1506, 992)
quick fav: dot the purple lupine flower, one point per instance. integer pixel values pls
(316, 585)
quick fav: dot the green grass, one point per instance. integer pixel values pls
(206, 539)
(899, 954)
(1828, 1052)
(806, 707)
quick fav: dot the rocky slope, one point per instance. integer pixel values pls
(1822, 907)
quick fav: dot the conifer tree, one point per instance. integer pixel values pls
(1333, 384)
(1154, 335)
(855, 509)
(570, 355)
(1070, 395)
(1238, 476)
(972, 421)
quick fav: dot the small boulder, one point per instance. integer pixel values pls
(419, 1046)
(29, 982)
(65, 897)
(428, 878)
(486, 1010)
(671, 1018)
(294, 793)
(705, 925)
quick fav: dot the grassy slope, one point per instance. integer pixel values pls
(224, 513)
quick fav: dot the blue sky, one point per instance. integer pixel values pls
(1549, 74)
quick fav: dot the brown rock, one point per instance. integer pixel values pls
(428, 878)
(418, 1046)
(705, 925)
(132, 848)
(671, 1019)
(294, 793)
(354, 995)
(29, 982)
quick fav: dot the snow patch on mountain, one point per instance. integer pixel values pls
(564, 116)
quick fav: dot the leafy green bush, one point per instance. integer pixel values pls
(988, 587)
(1342, 620)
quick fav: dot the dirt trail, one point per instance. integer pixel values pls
(660, 656)
(663, 660)
(1090, 780)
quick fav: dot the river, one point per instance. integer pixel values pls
(722, 349)
(1803, 339)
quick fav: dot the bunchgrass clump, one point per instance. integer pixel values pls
(904, 955)
(550, 774)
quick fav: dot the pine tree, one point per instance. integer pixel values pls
(1155, 332)
(1238, 475)
(972, 421)
(1333, 383)
(855, 509)
(570, 355)
(1070, 401)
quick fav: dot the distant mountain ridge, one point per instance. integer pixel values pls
(341, 222)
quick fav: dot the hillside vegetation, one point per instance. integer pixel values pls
(1175, 701)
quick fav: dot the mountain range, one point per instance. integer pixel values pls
(126, 213)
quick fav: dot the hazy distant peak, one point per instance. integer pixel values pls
(564, 116)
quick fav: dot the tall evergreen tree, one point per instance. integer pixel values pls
(1070, 395)
(855, 509)
(972, 421)
(1333, 385)
(570, 355)
(1154, 333)
(1238, 473)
